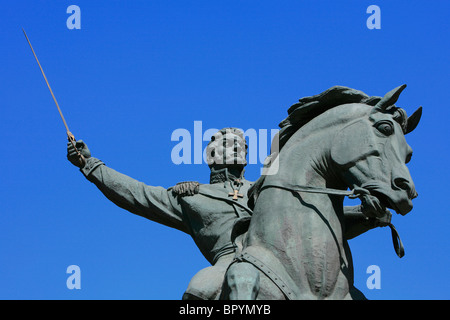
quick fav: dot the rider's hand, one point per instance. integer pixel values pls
(372, 208)
(72, 154)
(187, 188)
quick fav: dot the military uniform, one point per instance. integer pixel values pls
(208, 215)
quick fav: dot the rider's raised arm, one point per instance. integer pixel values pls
(155, 203)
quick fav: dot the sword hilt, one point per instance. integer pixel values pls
(72, 140)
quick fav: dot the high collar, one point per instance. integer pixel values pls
(223, 175)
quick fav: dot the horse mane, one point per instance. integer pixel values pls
(308, 108)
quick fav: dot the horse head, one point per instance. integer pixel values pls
(371, 152)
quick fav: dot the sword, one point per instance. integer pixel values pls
(70, 136)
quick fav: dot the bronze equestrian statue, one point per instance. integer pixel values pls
(218, 215)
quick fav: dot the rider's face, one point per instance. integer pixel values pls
(227, 150)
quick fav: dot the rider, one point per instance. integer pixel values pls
(205, 211)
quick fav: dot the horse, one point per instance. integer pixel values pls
(293, 247)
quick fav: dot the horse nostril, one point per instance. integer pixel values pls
(403, 184)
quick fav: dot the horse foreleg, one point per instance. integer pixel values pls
(241, 282)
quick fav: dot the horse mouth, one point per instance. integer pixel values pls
(385, 201)
(399, 201)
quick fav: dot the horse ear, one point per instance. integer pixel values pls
(353, 143)
(413, 120)
(389, 99)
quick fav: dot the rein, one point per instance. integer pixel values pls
(352, 194)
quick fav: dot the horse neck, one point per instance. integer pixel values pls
(305, 160)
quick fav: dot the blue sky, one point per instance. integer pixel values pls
(138, 70)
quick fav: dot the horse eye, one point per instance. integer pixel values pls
(385, 128)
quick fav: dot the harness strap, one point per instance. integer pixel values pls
(398, 244)
(299, 188)
(258, 264)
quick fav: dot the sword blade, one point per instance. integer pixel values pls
(46, 81)
(70, 136)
